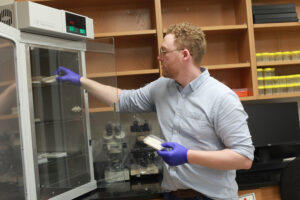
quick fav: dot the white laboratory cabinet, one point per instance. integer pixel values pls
(51, 145)
(45, 139)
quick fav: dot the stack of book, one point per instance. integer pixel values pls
(274, 13)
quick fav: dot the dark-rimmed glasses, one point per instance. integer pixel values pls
(164, 52)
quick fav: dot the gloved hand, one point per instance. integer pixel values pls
(68, 75)
(176, 156)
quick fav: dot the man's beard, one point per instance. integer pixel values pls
(167, 73)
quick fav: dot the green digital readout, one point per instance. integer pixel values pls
(82, 31)
(72, 28)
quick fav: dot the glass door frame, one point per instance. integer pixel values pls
(14, 35)
(30, 40)
(23, 109)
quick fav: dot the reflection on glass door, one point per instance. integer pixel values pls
(11, 171)
(109, 138)
(60, 129)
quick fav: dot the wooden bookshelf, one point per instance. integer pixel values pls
(138, 26)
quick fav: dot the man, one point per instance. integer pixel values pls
(202, 119)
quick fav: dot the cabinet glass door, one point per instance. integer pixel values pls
(122, 161)
(60, 123)
(11, 171)
(109, 138)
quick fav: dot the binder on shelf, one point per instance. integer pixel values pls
(275, 18)
(277, 15)
(274, 13)
(275, 8)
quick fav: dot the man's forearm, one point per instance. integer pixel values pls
(106, 94)
(224, 159)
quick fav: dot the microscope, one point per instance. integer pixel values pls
(115, 146)
(144, 159)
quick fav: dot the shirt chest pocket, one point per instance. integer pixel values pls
(196, 124)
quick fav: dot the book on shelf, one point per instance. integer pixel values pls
(274, 13)
(275, 18)
(273, 8)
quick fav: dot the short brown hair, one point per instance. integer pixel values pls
(190, 37)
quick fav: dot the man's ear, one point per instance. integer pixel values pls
(186, 54)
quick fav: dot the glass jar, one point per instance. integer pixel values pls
(295, 55)
(297, 83)
(297, 78)
(259, 72)
(290, 79)
(275, 80)
(269, 72)
(268, 80)
(265, 57)
(286, 55)
(275, 89)
(258, 57)
(261, 90)
(282, 84)
(260, 81)
(297, 87)
(271, 57)
(278, 56)
(268, 89)
(290, 87)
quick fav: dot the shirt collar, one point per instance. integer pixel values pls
(194, 84)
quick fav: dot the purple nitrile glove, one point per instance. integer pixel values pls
(67, 75)
(176, 156)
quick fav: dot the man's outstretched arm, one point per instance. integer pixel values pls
(106, 94)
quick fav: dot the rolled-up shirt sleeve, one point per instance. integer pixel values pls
(232, 127)
(139, 100)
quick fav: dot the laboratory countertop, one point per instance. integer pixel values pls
(149, 188)
(137, 189)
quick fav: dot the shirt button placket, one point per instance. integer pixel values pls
(176, 126)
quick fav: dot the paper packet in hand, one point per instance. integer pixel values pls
(154, 142)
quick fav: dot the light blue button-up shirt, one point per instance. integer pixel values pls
(205, 115)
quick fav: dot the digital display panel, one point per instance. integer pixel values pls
(75, 24)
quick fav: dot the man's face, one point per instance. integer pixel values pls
(169, 57)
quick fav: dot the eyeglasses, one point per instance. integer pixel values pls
(164, 52)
